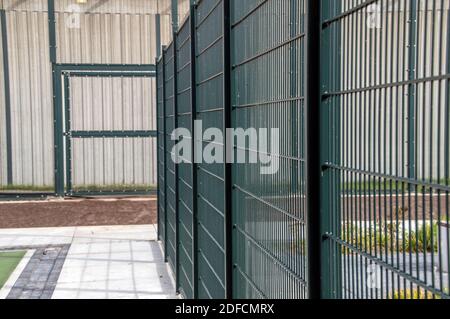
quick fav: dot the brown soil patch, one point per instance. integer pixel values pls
(78, 212)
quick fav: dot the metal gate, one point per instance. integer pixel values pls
(108, 133)
(41, 40)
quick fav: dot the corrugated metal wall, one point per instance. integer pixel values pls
(3, 164)
(113, 104)
(114, 31)
(31, 97)
(368, 46)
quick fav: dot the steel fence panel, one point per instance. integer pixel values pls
(211, 177)
(383, 145)
(268, 93)
(385, 116)
(161, 150)
(171, 183)
(185, 168)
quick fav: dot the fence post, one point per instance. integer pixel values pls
(193, 145)
(174, 8)
(313, 157)
(57, 103)
(294, 88)
(412, 47)
(158, 187)
(67, 114)
(9, 162)
(228, 149)
(163, 61)
(158, 35)
(177, 199)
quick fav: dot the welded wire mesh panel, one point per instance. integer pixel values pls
(185, 173)
(210, 183)
(161, 150)
(171, 195)
(269, 209)
(386, 148)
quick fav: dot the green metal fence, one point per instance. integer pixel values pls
(161, 154)
(359, 207)
(385, 104)
(211, 178)
(268, 92)
(185, 170)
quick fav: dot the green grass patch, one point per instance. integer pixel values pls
(26, 188)
(114, 188)
(9, 262)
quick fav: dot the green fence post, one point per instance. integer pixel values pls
(57, 103)
(67, 134)
(158, 35)
(313, 150)
(193, 145)
(294, 87)
(412, 47)
(174, 12)
(163, 61)
(330, 144)
(228, 150)
(177, 199)
(158, 129)
(9, 161)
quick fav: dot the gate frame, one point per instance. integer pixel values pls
(58, 70)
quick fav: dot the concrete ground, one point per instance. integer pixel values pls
(102, 262)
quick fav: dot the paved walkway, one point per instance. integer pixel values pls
(111, 262)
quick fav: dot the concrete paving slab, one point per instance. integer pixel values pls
(35, 237)
(113, 262)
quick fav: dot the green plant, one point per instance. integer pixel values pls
(414, 294)
(388, 237)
